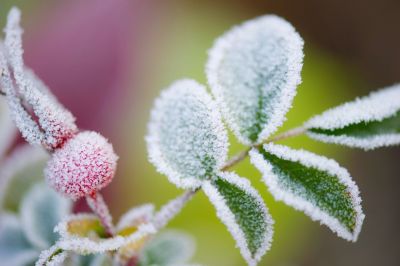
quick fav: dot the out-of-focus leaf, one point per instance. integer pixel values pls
(242, 210)
(15, 249)
(22, 169)
(187, 140)
(313, 184)
(369, 122)
(253, 71)
(8, 130)
(167, 249)
(41, 210)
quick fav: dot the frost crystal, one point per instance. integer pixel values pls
(369, 122)
(186, 138)
(313, 184)
(253, 71)
(84, 165)
(56, 124)
(242, 210)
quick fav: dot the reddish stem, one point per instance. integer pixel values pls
(100, 208)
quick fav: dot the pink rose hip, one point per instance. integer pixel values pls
(84, 165)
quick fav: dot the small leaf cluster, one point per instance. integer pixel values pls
(253, 71)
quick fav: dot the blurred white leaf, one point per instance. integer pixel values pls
(22, 169)
(186, 138)
(253, 71)
(41, 210)
(169, 248)
(314, 184)
(369, 122)
(15, 249)
(242, 210)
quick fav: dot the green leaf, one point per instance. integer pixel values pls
(253, 71)
(15, 249)
(168, 249)
(41, 210)
(316, 185)
(187, 140)
(242, 210)
(22, 169)
(370, 122)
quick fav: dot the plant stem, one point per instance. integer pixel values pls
(97, 204)
(173, 207)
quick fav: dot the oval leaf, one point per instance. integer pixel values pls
(253, 71)
(370, 122)
(15, 249)
(41, 210)
(316, 185)
(167, 249)
(242, 210)
(186, 140)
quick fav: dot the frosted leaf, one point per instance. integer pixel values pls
(56, 123)
(253, 71)
(8, 130)
(136, 216)
(242, 210)
(53, 256)
(89, 241)
(22, 169)
(314, 184)
(41, 210)
(15, 249)
(186, 138)
(168, 249)
(369, 122)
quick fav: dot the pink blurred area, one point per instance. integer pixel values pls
(84, 51)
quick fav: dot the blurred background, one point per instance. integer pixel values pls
(108, 60)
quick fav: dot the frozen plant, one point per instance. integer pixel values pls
(253, 72)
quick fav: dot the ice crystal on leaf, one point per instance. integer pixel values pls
(55, 123)
(242, 210)
(253, 71)
(313, 184)
(186, 138)
(369, 122)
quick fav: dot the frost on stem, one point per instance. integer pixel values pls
(186, 138)
(25, 91)
(242, 210)
(369, 122)
(83, 166)
(253, 71)
(314, 184)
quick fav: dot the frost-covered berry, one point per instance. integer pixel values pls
(84, 165)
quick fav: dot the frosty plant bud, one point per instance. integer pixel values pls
(83, 166)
